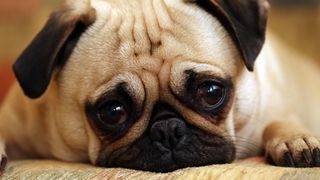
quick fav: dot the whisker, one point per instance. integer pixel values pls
(241, 139)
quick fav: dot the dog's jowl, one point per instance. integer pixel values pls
(159, 85)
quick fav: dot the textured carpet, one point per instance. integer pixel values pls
(253, 168)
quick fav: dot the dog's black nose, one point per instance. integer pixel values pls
(168, 132)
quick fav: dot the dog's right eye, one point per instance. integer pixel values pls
(211, 94)
(112, 113)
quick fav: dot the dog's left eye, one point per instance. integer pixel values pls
(210, 94)
(113, 113)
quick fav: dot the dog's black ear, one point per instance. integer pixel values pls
(52, 46)
(245, 20)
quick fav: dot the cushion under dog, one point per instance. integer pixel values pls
(253, 168)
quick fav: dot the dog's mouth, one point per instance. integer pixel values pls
(196, 148)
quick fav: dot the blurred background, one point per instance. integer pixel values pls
(296, 22)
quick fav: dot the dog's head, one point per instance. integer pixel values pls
(144, 84)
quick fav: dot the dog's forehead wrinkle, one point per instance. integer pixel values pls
(129, 30)
(132, 36)
(144, 27)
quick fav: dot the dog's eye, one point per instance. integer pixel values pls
(210, 94)
(113, 113)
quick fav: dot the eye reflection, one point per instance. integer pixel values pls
(113, 113)
(210, 94)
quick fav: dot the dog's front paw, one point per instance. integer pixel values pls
(3, 163)
(296, 151)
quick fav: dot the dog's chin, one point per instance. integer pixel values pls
(197, 149)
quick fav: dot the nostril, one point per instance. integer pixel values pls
(157, 132)
(178, 128)
(169, 132)
(156, 135)
(179, 132)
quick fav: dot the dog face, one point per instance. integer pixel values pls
(146, 85)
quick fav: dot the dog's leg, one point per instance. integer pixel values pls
(3, 157)
(288, 144)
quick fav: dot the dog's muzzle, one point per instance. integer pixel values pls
(170, 143)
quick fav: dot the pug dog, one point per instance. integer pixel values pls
(159, 85)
